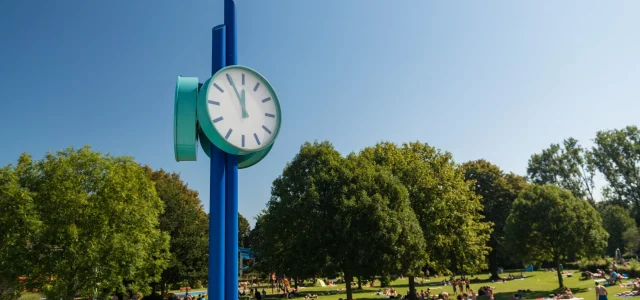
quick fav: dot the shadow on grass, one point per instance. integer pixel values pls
(536, 294)
(322, 293)
(436, 284)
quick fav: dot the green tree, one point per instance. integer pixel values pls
(631, 238)
(375, 213)
(20, 226)
(446, 206)
(498, 191)
(616, 154)
(566, 166)
(338, 214)
(616, 220)
(244, 229)
(185, 221)
(99, 217)
(548, 223)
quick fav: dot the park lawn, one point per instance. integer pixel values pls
(541, 284)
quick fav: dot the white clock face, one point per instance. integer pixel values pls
(243, 109)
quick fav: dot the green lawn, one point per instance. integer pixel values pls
(541, 284)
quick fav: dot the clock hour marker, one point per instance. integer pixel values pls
(218, 87)
(228, 133)
(257, 140)
(214, 102)
(242, 78)
(270, 115)
(217, 120)
(266, 99)
(256, 88)
(266, 129)
(243, 141)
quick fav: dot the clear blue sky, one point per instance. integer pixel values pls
(498, 80)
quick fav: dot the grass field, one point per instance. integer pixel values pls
(541, 285)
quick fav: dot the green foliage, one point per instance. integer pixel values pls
(30, 296)
(631, 239)
(20, 226)
(616, 154)
(548, 223)
(565, 166)
(340, 214)
(185, 221)
(447, 208)
(197, 284)
(385, 281)
(593, 264)
(632, 268)
(498, 191)
(244, 229)
(616, 220)
(97, 223)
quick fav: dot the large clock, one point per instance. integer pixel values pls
(239, 111)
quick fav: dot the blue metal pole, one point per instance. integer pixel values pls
(231, 229)
(231, 197)
(215, 287)
(232, 37)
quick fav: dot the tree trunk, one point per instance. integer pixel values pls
(359, 282)
(347, 280)
(493, 265)
(412, 288)
(296, 283)
(637, 211)
(454, 262)
(560, 279)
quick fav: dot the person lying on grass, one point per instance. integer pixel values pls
(635, 289)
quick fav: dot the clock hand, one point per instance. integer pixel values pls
(245, 114)
(234, 88)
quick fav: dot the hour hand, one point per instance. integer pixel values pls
(244, 108)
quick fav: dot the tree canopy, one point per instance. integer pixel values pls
(566, 166)
(186, 223)
(547, 223)
(339, 214)
(107, 235)
(20, 226)
(244, 229)
(616, 220)
(498, 191)
(448, 210)
(616, 154)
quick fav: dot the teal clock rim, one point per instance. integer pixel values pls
(184, 119)
(244, 161)
(205, 119)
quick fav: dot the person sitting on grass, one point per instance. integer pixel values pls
(615, 277)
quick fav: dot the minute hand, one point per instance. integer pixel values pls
(240, 99)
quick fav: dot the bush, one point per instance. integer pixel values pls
(594, 264)
(385, 281)
(632, 268)
(178, 285)
(197, 284)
